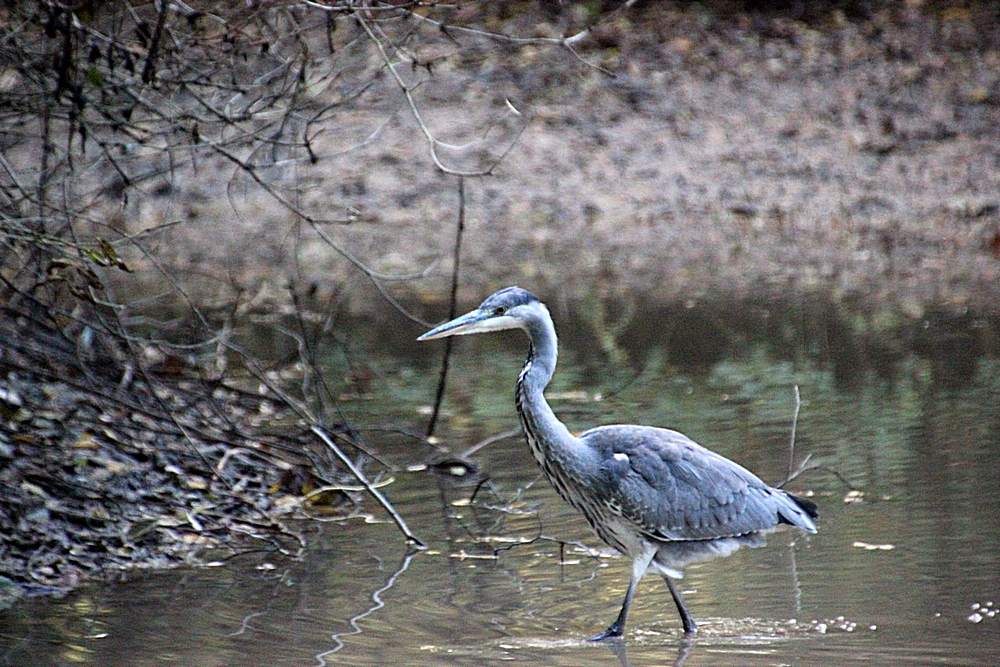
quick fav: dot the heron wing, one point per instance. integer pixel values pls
(671, 488)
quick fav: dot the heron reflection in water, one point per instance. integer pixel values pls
(653, 494)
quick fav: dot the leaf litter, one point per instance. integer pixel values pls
(91, 484)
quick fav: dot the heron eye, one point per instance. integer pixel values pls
(500, 310)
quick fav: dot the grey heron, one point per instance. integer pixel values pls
(651, 493)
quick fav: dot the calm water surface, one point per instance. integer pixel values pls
(904, 569)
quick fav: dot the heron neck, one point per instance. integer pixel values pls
(547, 436)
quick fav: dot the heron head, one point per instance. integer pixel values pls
(509, 308)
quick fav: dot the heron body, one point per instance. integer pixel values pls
(651, 493)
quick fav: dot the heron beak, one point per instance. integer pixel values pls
(459, 326)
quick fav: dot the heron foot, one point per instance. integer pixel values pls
(613, 632)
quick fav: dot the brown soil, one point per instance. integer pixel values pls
(846, 151)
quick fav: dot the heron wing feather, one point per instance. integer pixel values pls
(672, 489)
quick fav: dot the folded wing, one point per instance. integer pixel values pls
(673, 489)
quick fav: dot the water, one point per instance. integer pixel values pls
(904, 570)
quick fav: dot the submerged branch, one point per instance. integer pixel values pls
(369, 487)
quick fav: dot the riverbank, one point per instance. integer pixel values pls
(848, 155)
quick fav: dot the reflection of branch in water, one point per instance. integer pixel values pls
(794, 472)
(617, 646)
(491, 539)
(795, 578)
(492, 535)
(379, 603)
(245, 623)
(507, 508)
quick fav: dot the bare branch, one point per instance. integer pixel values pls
(369, 487)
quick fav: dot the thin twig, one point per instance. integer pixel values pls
(433, 142)
(565, 42)
(149, 70)
(452, 309)
(369, 487)
(375, 277)
(489, 441)
(795, 422)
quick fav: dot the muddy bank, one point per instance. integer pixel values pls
(153, 471)
(839, 151)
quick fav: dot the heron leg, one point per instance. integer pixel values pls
(686, 619)
(617, 628)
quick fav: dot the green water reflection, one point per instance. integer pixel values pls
(906, 573)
